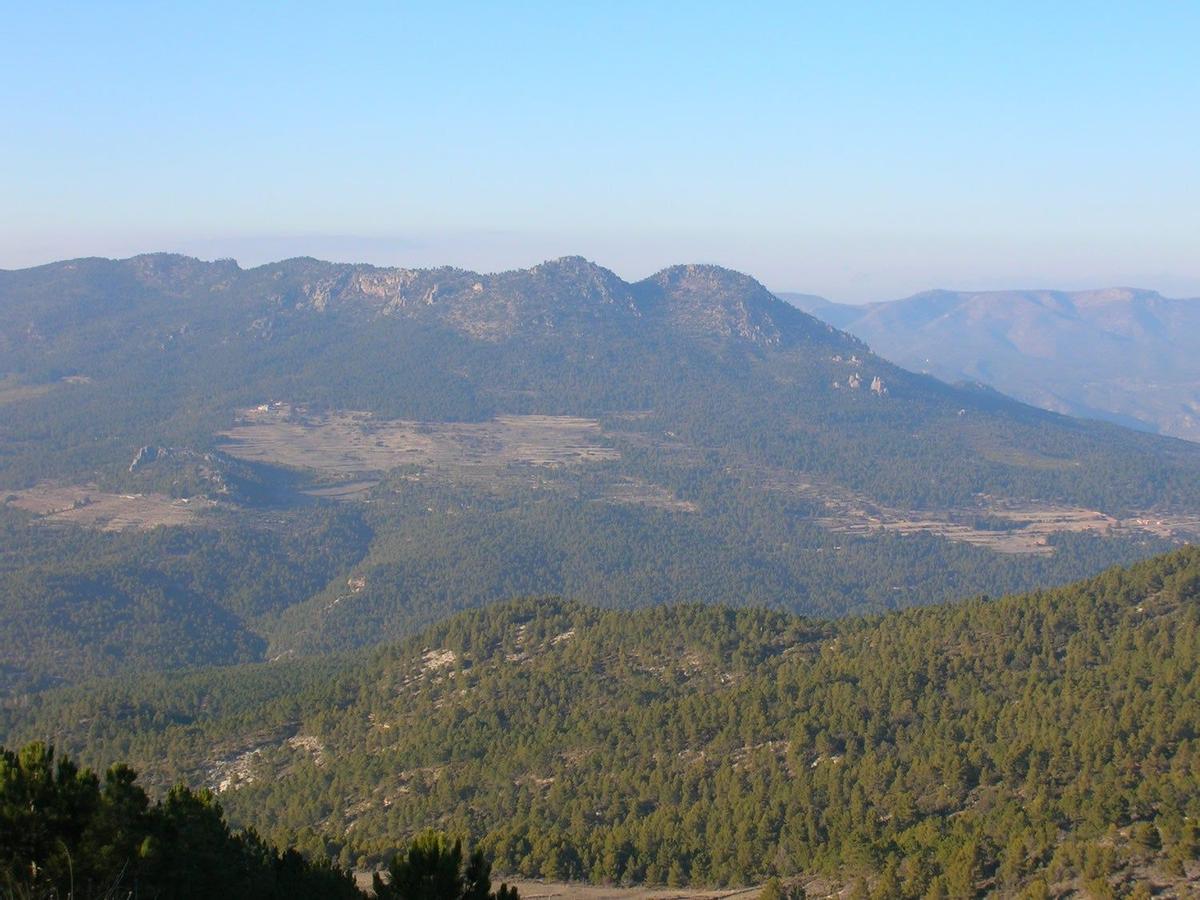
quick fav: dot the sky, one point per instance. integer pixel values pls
(861, 151)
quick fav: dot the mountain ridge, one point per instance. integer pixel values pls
(705, 299)
(1127, 355)
(414, 442)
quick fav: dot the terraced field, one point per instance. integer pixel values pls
(92, 508)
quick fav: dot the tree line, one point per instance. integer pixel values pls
(67, 833)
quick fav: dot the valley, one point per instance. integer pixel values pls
(338, 448)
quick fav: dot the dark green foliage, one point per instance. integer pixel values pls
(64, 833)
(434, 869)
(1050, 736)
(79, 603)
(441, 550)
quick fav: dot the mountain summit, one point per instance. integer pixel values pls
(565, 295)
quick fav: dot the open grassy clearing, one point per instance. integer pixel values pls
(354, 444)
(636, 492)
(1016, 528)
(531, 889)
(567, 890)
(1028, 530)
(92, 508)
(11, 392)
(13, 389)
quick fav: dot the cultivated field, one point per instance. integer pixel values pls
(1004, 526)
(354, 444)
(1016, 528)
(1023, 529)
(636, 492)
(12, 393)
(85, 505)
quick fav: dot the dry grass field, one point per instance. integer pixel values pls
(85, 505)
(1029, 532)
(636, 492)
(13, 389)
(1022, 527)
(565, 890)
(355, 444)
(578, 890)
(1032, 525)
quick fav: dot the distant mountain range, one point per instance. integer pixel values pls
(1123, 355)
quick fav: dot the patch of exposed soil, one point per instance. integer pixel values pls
(91, 508)
(355, 444)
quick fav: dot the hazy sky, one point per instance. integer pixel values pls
(861, 151)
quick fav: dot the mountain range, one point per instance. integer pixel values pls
(203, 464)
(1124, 355)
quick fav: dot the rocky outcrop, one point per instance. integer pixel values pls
(145, 456)
(560, 297)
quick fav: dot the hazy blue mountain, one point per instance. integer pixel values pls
(1125, 355)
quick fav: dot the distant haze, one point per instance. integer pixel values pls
(848, 271)
(862, 154)
(1125, 355)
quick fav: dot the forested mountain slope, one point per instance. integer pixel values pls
(206, 464)
(165, 348)
(1041, 740)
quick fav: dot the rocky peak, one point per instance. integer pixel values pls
(567, 297)
(720, 302)
(173, 272)
(571, 267)
(569, 279)
(709, 280)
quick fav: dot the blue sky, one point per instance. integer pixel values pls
(861, 151)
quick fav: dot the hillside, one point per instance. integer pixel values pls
(984, 746)
(206, 464)
(1123, 355)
